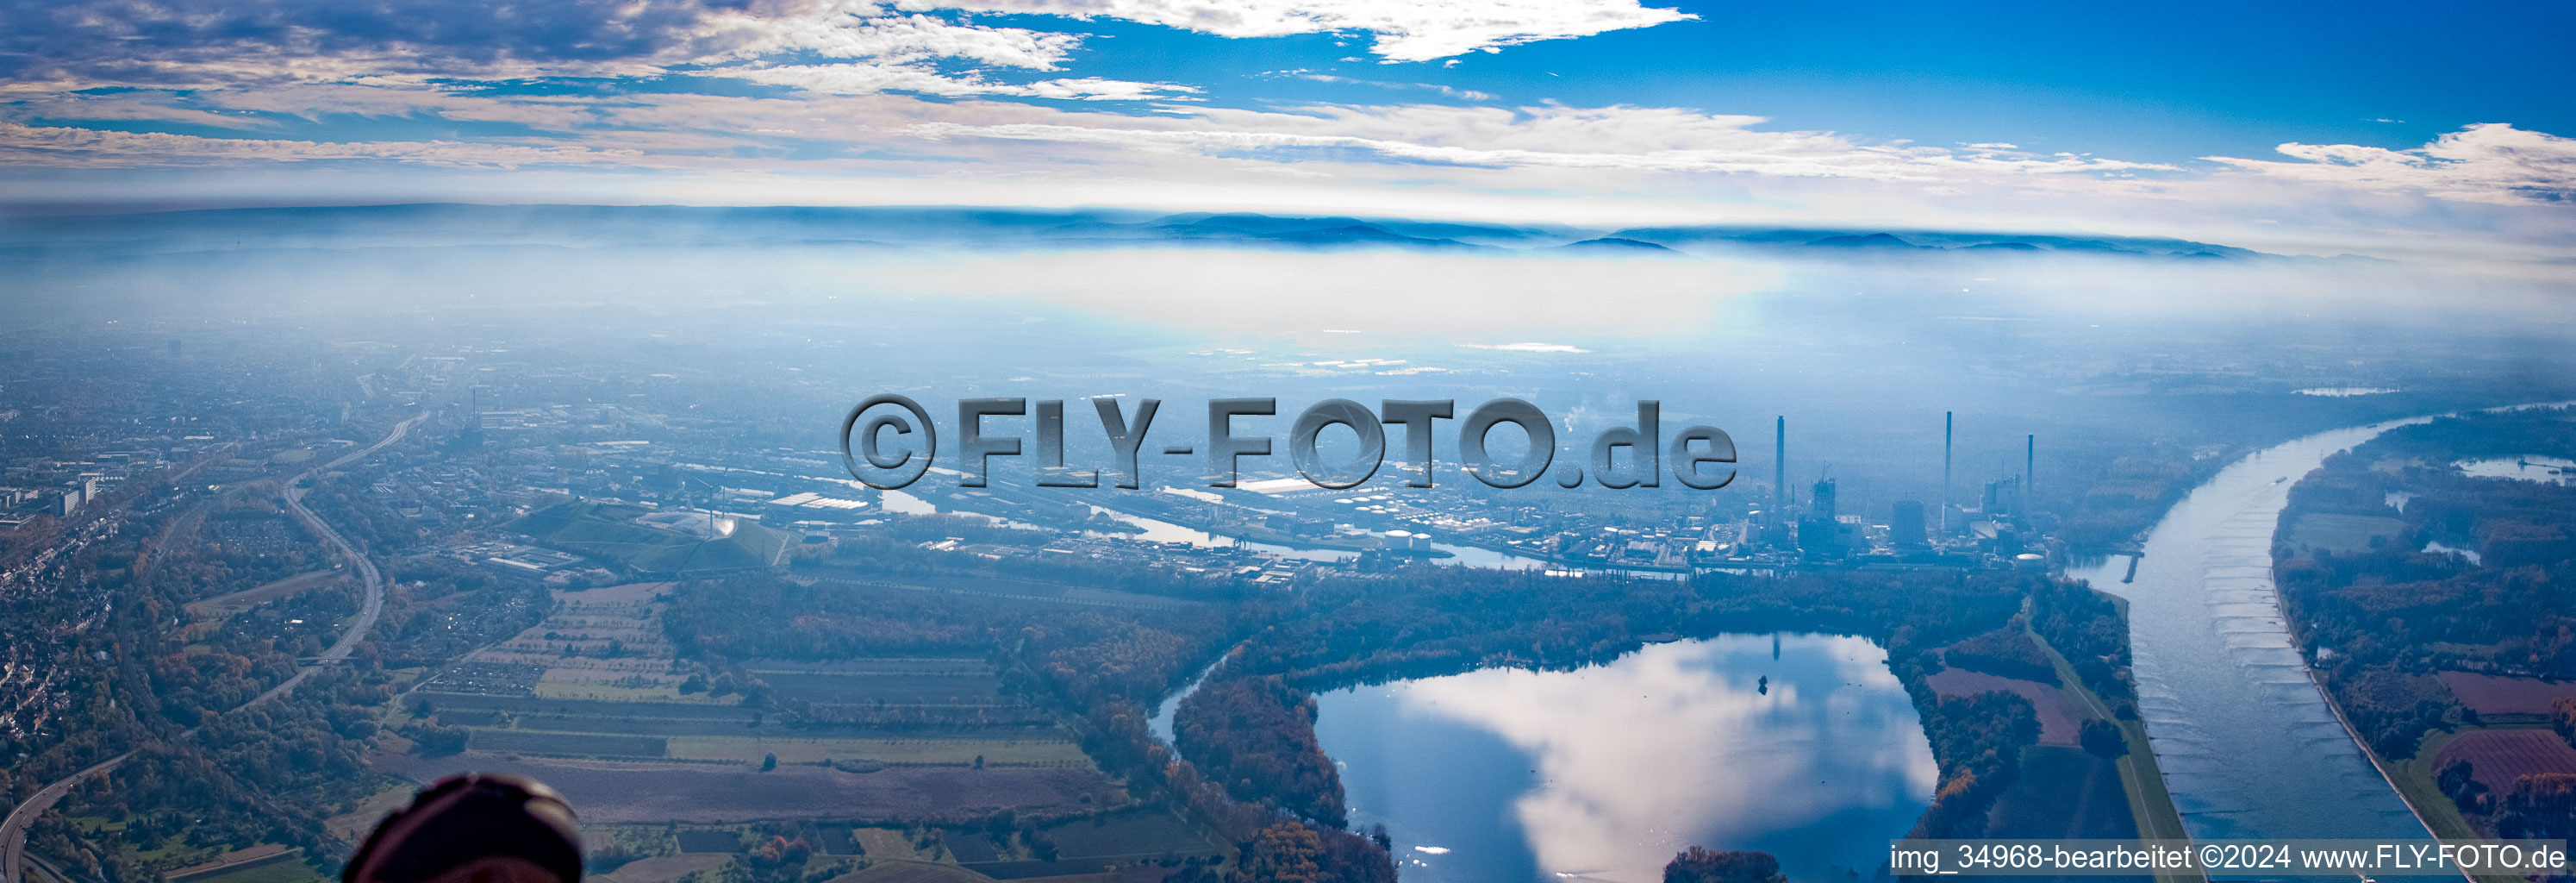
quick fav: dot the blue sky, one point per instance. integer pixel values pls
(2172, 84)
(2306, 127)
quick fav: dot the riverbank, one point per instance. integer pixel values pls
(2151, 807)
(2247, 746)
(2400, 572)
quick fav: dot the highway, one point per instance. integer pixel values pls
(367, 574)
(13, 831)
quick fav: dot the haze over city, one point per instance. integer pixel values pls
(2144, 426)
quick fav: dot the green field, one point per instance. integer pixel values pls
(2344, 533)
(854, 739)
(885, 844)
(294, 870)
(526, 705)
(890, 750)
(228, 605)
(2414, 781)
(2151, 807)
(905, 871)
(970, 688)
(605, 692)
(1139, 834)
(362, 817)
(174, 851)
(947, 712)
(590, 744)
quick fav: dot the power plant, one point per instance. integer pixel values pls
(1780, 471)
(1948, 425)
(1994, 527)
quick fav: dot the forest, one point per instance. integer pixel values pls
(2395, 566)
(1257, 734)
(2381, 615)
(208, 771)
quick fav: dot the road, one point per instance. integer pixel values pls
(367, 574)
(13, 831)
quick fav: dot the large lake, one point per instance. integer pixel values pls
(1504, 775)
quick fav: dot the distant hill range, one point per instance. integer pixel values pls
(935, 227)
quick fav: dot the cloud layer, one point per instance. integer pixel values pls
(941, 96)
(2486, 162)
(1405, 31)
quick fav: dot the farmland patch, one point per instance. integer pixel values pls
(2344, 533)
(584, 744)
(2058, 723)
(2497, 757)
(652, 792)
(664, 869)
(2497, 694)
(1136, 834)
(710, 841)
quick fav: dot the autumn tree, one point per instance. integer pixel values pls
(2102, 738)
(1703, 865)
(2458, 781)
(1287, 852)
(2542, 806)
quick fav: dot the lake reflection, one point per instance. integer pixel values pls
(2546, 470)
(1603, 773)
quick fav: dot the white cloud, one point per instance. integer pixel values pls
(841, 46)
(1607, 801)
(2485, 162)
(1406, 30)
(1527, 347)
(874, 48)
(837, 29)
(106, 148)
(1551, 136)
(130, 106)
(860, 78)
(1450, 91)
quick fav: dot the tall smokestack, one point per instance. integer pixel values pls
(1948, 423)
(1780, 471)
(2029, 457)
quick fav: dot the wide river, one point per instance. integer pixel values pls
(1602, 773)
(2247, 743)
